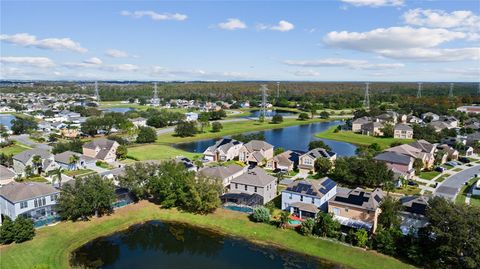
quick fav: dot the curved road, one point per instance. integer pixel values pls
(452, 185)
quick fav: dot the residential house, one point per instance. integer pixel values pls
(402, 131)
(388, 117)
(33, 200)
(400, 163)
(254, 187)
(224, 149)
(224, 173)
(358, 123)
(420, 149)
(189, 165)
(356, 208)
(101, 149)
(139, 122)
(472, 139)
(373, 128)
(306, 161)
(469, 109)
(305, 198)
(414, 119)
(450, 153)
(6, 175)
(453, 141)
(255, 152)
(413, 213)
(65, 160)
(69, 132)
(438, 125)
(25, 158)
(430, 116)
(191, 116)
(451, 121)
(287, 160)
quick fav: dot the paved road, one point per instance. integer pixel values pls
(24, 139)
(452, 185)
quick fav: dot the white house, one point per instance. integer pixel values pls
(191, 116)
(33, 200)
(139, 122)
(224, 149)
(305, 198)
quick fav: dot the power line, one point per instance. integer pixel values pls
(419, 91)
(366, 102)
(264, 90)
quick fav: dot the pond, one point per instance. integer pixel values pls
(290, 138)
(118, 109)
(6, 120)
(170, 245)
(271, 113)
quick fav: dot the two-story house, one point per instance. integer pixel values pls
(224, 149)
(287, 161)
(402, 131)
(356, 208)
(139, 122)
(305, 198)
(255, 152)
(72, 160)
(33, 200)
(253, 187)
(101, 149)
(413, 213)
(223, 173)
(27, 158)
(359, 122)
(306, 161)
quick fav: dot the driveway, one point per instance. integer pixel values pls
(452, 185)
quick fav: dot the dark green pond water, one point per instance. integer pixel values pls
(167, 245)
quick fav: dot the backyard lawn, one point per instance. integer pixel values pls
(408, 190)
(157, 151)
(359, 139)
(13, 149)
(79, 172)
(51, 246)
(428, 174)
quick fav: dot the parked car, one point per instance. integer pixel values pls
(412, 183)
(464, 160)
(451, 163)
(440, 169)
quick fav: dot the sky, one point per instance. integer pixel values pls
(330, 40)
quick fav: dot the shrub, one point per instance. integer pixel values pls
(261, 214)
(307, 227)
(303, 116)
(146, 135)
(7, 231)
(277, 119)
(216, 127)
(24, 229)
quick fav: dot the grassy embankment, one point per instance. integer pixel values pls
(13, 149)
(162, 149)
(462, 194)
(51, 246)
(359, 139)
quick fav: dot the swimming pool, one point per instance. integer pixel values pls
(242, 209)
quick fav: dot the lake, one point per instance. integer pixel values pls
(293, 138)
(118, 109)
(171, 245)
(6, 120)
(271, 113)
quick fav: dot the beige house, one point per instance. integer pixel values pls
(254, 187)
(420, 149)
(26, 159)
(356, 208)
(69, 132)
(306, 161)
(450, 153)
(255, 152)
(373, 128)
(358, 123)
(101, 149)
(402, 131)
(287, 160)
(223, 173)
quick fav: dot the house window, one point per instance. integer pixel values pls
(346, 209)
(35, 203)
(336, 211)
(313, 200)
(255, 189)
(53, 198)
(245, 187)
(23, 204)
(44, 201)
(290, 196)
(301, 198)
(236, 185)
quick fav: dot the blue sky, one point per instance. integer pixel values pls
(347, 40)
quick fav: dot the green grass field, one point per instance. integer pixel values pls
(14, 149)
(79, 172)
(359, 139)
(428, 174)
(442, 178)
(157, 152)
(52, 245)
(462, 194)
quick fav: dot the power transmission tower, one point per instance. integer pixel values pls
(278, 90)
(450, 92)
(155, 100)
(97, 94)
(419, 91)
(264, 90)
(366, 102)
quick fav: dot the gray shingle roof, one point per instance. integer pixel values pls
(221, 172)
(21, 191)
(255, 177)
(6, 173)
(101, 143)
(257, 145)
(24, 156)
(393, 157)
(320, 153)
(403, 127)
(64, 157)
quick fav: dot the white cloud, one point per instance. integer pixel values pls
(41, 62)
(121, 67)
(155, 16)
(28, 40)
(306, 73)
(93, 61)
(195, 74)
(374, 3)
(405, 43)
(232, 24)
(460, 19)
(282, 26)
(349, 63)
(114, 53)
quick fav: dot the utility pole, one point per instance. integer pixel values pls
(366, 102)
(419, 91)
(97, 94)
(450, 92)
(264, 90)
(155, 100)
(278, 90)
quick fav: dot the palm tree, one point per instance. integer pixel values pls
(37, 162)
(28, 171)
(72, 161)
(57, 176)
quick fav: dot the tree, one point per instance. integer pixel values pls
(417, 165)
(385, 240)
(122, 152)
(303, 116)
(318, 144)
(216, 127)
(57, 176)
(37, 163)
(277, 118)
(261, 214)
(146, 135)
(387, 130)
(284, 218)
(278, 150)
(24, 229)
(324, 115)
(136, 178)
(361, 238)
(325, 225)
(355, 171)
(28, 171)
(307, 226)
(203, 119)
(185, 128)
(73, 160)
(322, 166)
(23, 125)
(390, 218)
(245, 138)
(203, 195)
(75, 145)
(7, 231)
